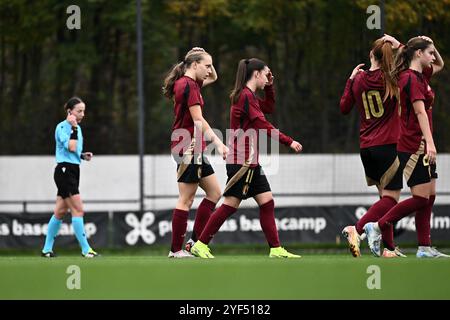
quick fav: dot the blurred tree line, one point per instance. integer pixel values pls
(310, 45)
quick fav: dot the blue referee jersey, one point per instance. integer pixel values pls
(62, 136)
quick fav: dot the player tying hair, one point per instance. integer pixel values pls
(69, 153)
(416, 62)
(246, 178)
(375, 94)
(183, 85)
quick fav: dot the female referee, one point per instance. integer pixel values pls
(69, 147)
(183, 85)
(416, 62)
(375, 94)
(246, 178)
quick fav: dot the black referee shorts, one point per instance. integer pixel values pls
(245, 182)
(67, 179)
(382, 166)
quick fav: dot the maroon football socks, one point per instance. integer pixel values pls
(204, 211)
(402, 209)
(423, 218)
(179, 226)
(375, 212)
(267, 220)
(215, 222)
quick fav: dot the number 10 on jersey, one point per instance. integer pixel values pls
(373, 105)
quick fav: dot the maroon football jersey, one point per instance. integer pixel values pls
(379, 121)
(414, 86)
(246, 119)
(186, 94)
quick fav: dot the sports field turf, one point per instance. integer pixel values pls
(226, 277)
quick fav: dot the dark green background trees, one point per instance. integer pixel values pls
(311, 47)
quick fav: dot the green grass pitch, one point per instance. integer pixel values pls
(254, 277)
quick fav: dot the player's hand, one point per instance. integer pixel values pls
(270, 78)
(431, 153)
(87, 156)
(297, 147)
(223, 150)
(395, 43)
(356, 70)
(72, 120)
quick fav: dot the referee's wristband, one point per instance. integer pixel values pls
(74, 134)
